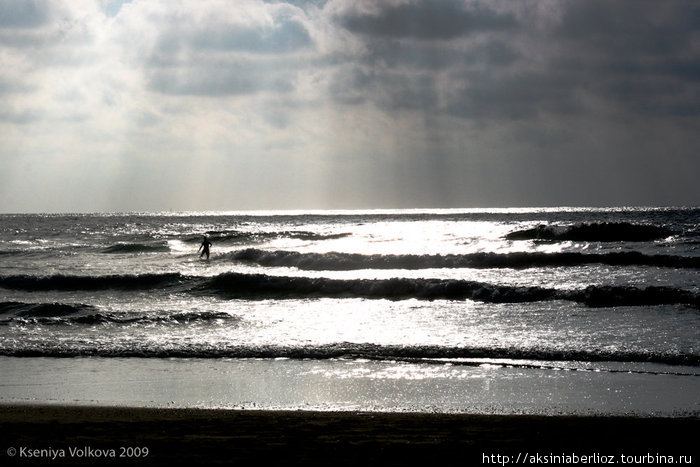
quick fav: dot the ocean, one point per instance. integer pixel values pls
(523, 310)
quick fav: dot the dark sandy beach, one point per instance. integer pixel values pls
(205, 437)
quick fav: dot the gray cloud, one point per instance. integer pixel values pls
(226, 59)
(223, 79)
(14, 85)
(23, 14)
(643, 27)
(522, 95)
(432, 56)
(301, 3)
(350, 85)
(627, 56)
(19, 117)
(356, 85)
(427, 20)
(286, 36)
(638, 56)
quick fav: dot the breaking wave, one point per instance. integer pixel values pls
(234, 285)
(519, 260)
(260, 286)
(43, 310)
(69, 314)
(596, 232)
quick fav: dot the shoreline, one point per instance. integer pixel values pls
(217, 436)
(344, 385)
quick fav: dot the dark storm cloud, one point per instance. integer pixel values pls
(666, 88)
(631, 57)
(394, 53)
(642, 27)
(495, 53)
(23, 14)
(426, 55)
(522, 95)
(636, 55)
(427, 20)
(357, 84)
(408, 44)
(395, 75)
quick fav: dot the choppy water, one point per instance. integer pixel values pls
(612, 289)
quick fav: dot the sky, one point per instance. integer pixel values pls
(113, 105)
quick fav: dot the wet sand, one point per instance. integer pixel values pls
(247, 437)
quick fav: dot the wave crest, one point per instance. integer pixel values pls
(43, 310)
(251, 286)
(260, 286)
(596, 232)
(69, 314)
(352, 261)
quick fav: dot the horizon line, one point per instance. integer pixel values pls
(354, 211)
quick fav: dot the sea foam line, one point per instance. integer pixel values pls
(542, 357)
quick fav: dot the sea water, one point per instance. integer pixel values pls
(538, 300)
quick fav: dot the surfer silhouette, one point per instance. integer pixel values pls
(204, 247)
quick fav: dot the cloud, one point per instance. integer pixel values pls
(23, 22)
(645, 27)
(18, 117)
(225, 78)
(23, 14)
(573, 58)
(280, 35)
(219, 49)
(424, 19)
(41, 25)
(523, 95)
(284, 36)
(637, 57)
(11, 84)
